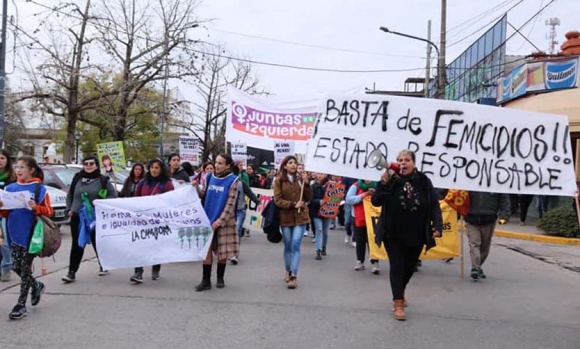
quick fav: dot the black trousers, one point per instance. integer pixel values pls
(402, 261)
(524, 201)
(22, 266)
(361, 238)
(76, 252)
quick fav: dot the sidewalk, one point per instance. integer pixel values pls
(514, 230)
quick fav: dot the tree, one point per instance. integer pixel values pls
(207, 120)
(55, 83)
(149, 40)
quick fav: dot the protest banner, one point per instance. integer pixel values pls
(458, 145)
(115, 153)
(189, 150)
(260, 122)
(447, 245)
(333, 195)
(239, 153)
(254, 212)
(142, 231)
(15, 200)
(282, 150)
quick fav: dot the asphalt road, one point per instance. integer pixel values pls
(524, 303)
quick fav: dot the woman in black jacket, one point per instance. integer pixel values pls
(137, 173)
(410, 218)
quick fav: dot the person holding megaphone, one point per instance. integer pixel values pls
(410, 219)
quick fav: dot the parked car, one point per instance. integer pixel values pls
(58, 203)
(58, 176)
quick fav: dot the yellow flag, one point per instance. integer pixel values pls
(447, 245)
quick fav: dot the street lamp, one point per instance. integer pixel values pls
(440, 65)
(77, 138)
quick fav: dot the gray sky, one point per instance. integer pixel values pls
(354, 25)
(351, 26)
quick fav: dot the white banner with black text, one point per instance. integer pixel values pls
(458, 145)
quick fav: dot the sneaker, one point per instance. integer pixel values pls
(311, 234)
(6, 275)
(18, 312)
(475, 273)
(70, 277)
(353, 244)
(375, 268)
(359, 266)
(292, 283)
(346, 240)
(234, 260)
(318, 255)
(155, 275)
(305, 234)
(36, 293)
(103, 272)
(137, 278)
(323, 252)
(287, 277)
(313, 239)
(481, 274)
(247, 233)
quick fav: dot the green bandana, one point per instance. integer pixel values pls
(364, 186)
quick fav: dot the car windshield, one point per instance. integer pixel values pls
(65, 175)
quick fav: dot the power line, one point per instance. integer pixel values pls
(315, 46)
(475, 19)
(307, 68)
(485, 26)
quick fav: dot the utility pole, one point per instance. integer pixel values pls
(441, 73)
(428, 67)
(3, 72)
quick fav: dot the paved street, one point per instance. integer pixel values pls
(524, 303)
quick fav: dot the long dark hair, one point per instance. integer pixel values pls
(282, 172)
(8, 170)
(129, 182)
(229, 161)
(163, 176)
(132, 173)
(32, 164)
(188, 168)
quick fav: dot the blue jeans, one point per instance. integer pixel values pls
(292, 241)
(348, 218)
(240, 218)
(321, 226)
(6, 255)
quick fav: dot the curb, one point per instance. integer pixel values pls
(537, 238)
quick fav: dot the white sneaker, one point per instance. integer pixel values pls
(305, 234)
(346, 239)
(359, 266)
(313, 240)
(375, 269)
(353, 244)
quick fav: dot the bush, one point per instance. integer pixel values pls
(560, 221)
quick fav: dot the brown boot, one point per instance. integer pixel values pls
(293, 283)
(399, 310)
(287, 277)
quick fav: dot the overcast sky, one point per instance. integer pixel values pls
(354, 26)
(294, 33)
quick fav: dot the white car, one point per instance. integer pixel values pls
(58, 203)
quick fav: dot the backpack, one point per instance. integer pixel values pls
(51, 231)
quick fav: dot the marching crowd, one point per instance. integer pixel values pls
(410, 216)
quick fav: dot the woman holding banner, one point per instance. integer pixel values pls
(156, 181)
(359, 191)
(291, 193)
(219, 202)
(410, 219)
